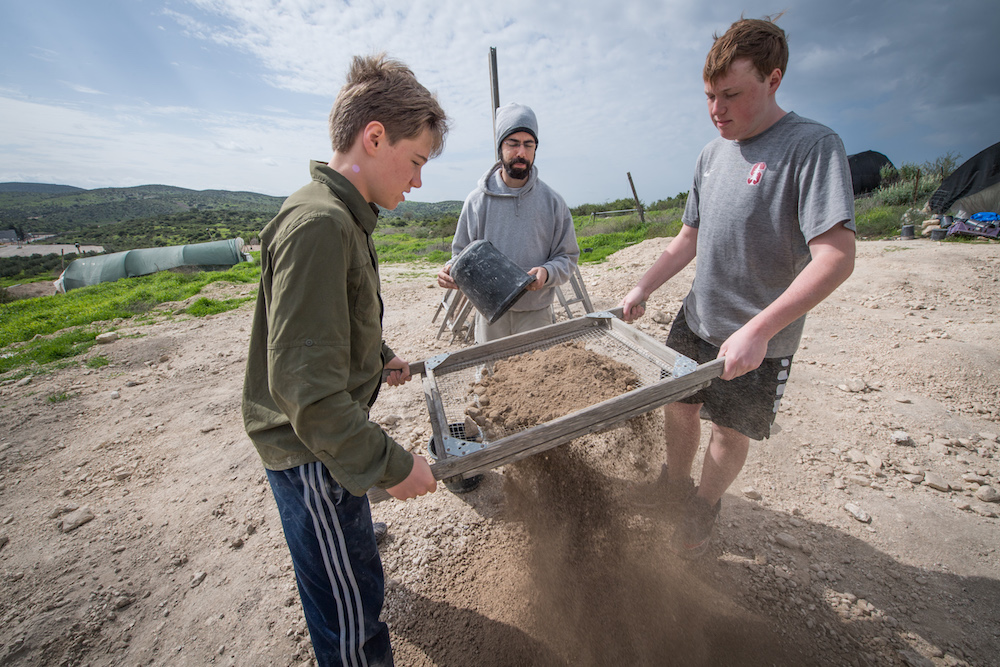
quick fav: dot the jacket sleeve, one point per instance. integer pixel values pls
(312, 369)
(565, 251)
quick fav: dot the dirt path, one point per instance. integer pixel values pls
(180, 558)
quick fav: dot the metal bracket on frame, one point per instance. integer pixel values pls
(682, 366)
(435, 361)
(457, 447)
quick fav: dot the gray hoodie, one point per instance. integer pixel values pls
(531, 225)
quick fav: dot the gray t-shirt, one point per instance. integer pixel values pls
(756, 204)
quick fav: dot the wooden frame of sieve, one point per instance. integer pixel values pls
(676, 377)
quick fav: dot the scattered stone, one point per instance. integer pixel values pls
(936, 481)
(914, 478)
(751, 493)
(197, 578)
(787, 541)
(23, 381)
(75, 519)
(874, 461)
(661, 317)
(115, 394)
(984, 510)
(108, 337)
(854, 386)
(3, 541)
(901, 438)
(913, 659)
(940, 447)
(856, 456)
(62, 509)
(973, 478)
(857, 513)
(839, 484)
(988, 494)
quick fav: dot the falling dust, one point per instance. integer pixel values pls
(607, 590)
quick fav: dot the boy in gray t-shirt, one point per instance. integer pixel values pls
(770, 217)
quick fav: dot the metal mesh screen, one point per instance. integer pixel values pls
(455, 385)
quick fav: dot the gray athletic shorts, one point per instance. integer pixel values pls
(747, 404)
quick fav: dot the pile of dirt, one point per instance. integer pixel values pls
(538, 386)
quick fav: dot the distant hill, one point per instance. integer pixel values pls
(416, 210)
(54, 208)
(44, 188)
(37, 207)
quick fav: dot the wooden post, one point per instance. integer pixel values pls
(638, 204)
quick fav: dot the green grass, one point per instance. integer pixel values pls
(60, 397)
(397, 247)
(66, 344)
(98, 361)
(878, 221)
(122, 299)
(601, 237)
(41, 331)
(205, 306)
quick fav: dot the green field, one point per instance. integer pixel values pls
(44, 332)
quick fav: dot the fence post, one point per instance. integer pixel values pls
(638, 204)
(495, 96)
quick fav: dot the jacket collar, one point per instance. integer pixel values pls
(364, 212)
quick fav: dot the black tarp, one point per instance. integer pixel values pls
(975, 174)
(866, 170)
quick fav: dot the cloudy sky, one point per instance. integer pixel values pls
(234, 94)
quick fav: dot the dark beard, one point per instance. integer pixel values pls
(518, 169)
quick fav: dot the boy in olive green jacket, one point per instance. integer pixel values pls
(317, 356)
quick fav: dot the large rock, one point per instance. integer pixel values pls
(988, 494)
(75, 519)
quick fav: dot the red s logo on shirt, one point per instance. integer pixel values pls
(756, 173)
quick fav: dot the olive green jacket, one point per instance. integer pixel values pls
(316, 350)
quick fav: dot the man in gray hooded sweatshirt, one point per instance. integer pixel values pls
(524, 219)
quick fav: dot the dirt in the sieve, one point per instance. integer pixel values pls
(539, 386)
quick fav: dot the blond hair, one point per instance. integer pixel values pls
(760, 40)
(383, 89)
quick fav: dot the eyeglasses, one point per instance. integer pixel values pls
(513, 144)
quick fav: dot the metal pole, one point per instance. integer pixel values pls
(495, 91)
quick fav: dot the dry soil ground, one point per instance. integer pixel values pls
(138, 528)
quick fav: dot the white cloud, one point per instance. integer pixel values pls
(616, 87)
(82, 89)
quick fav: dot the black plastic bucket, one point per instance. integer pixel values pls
(489, 278)
(907, 232)
(456, 484)
(938, 234)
